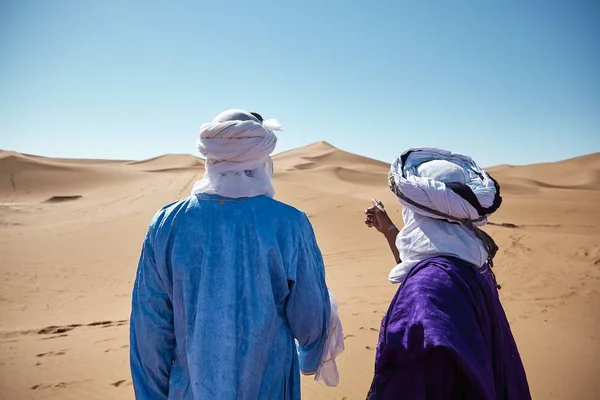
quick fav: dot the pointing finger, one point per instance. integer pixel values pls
(377, 204)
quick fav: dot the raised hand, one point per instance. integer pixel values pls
(376, 217)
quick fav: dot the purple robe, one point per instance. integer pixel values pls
(446, 336)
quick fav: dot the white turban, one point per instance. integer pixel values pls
(451, 184)
(237, 146)
(445, 197)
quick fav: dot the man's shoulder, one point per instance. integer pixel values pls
(268, 203)
(442, 276)
(176, 204)
(447, 265)
(170, 209)
(273, 208)
(434, 290)
(281, 207)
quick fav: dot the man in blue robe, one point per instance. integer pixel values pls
(445, 335)
(228, 280)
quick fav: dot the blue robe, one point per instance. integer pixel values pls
(445, 336)
(223, 288)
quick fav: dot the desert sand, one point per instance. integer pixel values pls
(71, 232)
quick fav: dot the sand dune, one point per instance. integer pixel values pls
(577, 173)
(71, 230)
(169, 162)
(323, 154)
(34, 179)
(320, 163)
(79, 161)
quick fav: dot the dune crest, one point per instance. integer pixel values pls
(323, 154)
(168, 162)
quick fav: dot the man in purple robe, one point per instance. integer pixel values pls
(445, 334)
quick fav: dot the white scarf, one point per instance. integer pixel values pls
(422, 177)
(334, 346)
(327, 372)
(238, 162)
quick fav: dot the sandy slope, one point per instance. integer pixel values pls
(67, 265)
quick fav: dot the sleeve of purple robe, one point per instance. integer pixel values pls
(308, 306)
(431, 342)
(152, 335)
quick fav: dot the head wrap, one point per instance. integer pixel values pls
(446, 197)
(237, 146)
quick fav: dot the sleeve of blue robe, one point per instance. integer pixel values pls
(152, 338)
(308, 307)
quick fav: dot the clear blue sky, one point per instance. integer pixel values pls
(505, 82)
